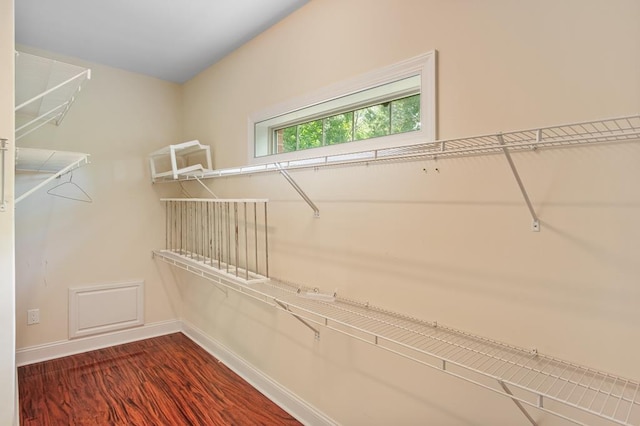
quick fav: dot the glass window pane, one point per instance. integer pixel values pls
(338, 129)
(310, 134)
(405, 114)
(288, 141)
(372, 121)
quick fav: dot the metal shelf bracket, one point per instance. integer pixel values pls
(518, 404)
(535, 226)
(286, 308)
(287, 176)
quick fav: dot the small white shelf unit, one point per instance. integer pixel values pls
(173, 162)
(45, 90)
(572, 392)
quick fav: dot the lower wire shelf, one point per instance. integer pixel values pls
(575, 393)
(46, 161)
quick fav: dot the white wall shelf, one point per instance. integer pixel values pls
(575, 393)
(45, 90)
(575, 134)
(48, 162)
(589, 132)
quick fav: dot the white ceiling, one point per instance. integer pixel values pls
(170, 39)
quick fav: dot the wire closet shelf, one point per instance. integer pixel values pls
(588, 132)
(45, 91)
(575, 393)
(47, 162)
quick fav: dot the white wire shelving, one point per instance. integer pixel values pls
(625, 128)
(45, 90)
(578, 394)
(229, 235)
(572, 392)
(588, 132)
(51, 163)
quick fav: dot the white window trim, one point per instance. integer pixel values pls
(423, 65)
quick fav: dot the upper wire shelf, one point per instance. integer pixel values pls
(572, 392)
(45, 90)
(587, 132)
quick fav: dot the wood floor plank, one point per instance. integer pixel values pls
(168, 380)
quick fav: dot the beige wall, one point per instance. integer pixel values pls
(8, 395)
(453, 246)
(118, 118)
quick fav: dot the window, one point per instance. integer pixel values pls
(371, 121)
(389, 107)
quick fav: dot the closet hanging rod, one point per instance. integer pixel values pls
(626, 128)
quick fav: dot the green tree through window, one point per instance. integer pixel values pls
(338, 128)
(371, 121)
(405, 115)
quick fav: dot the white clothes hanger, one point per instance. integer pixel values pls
(69, 193)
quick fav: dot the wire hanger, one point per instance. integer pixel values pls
(82, 196)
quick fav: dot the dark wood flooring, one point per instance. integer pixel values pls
(168, 380)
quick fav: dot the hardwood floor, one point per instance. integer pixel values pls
(168, 380)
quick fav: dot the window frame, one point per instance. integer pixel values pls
(423, 65)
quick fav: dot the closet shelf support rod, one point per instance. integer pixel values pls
(286, 308)
(3, 150)
(206, 187)
(520, 406)
(536, 222)
(287, 176)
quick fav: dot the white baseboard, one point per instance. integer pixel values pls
(289, 402)
(62, 348)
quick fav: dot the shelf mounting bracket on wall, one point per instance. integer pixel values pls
(287, 176)
(520, 406)
(286, 308)
(535, 226)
